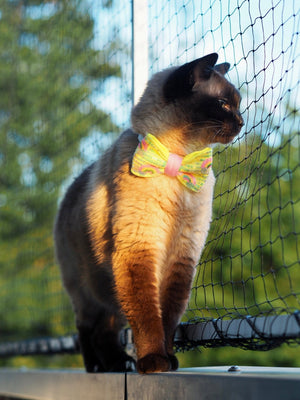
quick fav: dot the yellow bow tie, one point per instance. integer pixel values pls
(152, 158)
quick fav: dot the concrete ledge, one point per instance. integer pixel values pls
(61, 385)
(213, 383)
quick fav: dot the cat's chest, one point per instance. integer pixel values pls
(192, 216)
(191, 213)
(192, 208)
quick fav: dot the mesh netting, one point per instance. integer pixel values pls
(250, 265)
(66, 85)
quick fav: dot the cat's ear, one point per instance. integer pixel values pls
(203, 67)
(181, 81)
(222, 68)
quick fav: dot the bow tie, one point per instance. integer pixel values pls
(152, 158)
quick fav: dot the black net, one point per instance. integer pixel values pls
(66, 93)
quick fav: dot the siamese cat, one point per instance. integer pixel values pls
(132, 226)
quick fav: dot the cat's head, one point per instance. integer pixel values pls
(195, 100)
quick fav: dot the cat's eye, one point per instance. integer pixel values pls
(224, 104)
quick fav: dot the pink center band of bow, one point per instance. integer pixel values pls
(173, 165)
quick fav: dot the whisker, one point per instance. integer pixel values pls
(205, 124)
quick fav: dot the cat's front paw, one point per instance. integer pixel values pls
(124, 365)
(174, 362)
(153, 363)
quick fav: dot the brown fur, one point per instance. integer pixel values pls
(128, 246)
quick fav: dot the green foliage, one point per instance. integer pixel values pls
(49, 71)
(283, 356)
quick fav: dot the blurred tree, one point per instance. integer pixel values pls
(48, 73)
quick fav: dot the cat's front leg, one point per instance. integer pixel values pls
(137, 290)
(174, 294)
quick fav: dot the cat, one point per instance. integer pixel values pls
(128, 244)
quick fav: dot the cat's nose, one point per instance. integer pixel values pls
(240, 120)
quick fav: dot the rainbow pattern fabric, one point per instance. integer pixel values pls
(152, 158)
